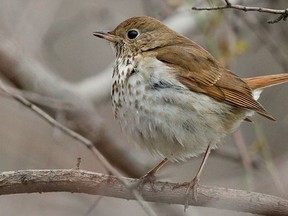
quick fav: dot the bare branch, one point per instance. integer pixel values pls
(80, 181)
(283, 13)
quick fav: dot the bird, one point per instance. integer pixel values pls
(172, 97)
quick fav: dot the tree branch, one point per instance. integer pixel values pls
(80, 181)
(228, 5)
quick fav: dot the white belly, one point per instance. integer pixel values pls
(163, 116)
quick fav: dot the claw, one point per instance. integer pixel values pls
(193, 185)
(148, 178)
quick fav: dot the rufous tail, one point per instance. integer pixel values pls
(257, 84)
(261, 82)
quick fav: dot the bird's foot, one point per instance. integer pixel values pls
(147, 178)
(193, 186)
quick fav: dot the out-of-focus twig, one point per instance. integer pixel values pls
(246, 157)
(283, 14)
(268, 41)
(261, 144)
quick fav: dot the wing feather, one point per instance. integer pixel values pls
(201, 73)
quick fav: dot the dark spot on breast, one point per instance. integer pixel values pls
(119, 103)
(123, 61)
(128, 62)
(133, 72)
(129, 86)
(114, 72)
(130, 72)
(129, 89)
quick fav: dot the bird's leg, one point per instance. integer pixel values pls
(150, 176)
(195, 180)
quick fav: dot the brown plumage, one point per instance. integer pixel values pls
(155, 60)
(195, 67)
(171, 96)
(262, 82)
(204, 75)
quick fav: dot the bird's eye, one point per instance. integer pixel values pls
(132, 34)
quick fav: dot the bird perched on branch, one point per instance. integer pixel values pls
(172, 97)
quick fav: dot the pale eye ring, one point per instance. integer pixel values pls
(132, 34)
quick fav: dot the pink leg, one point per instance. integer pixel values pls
(195, 180)
(150, 176)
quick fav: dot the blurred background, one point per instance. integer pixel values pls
(48, 51)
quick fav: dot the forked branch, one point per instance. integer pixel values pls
(283, 14)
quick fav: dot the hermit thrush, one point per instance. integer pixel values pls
(171, 96)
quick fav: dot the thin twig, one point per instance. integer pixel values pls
(261, 143)
(80, 181)
(268, 41)
(246, 158)
(93, 206)
(228, 5)
(46, 117)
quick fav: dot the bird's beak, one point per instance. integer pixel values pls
(109, 36)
